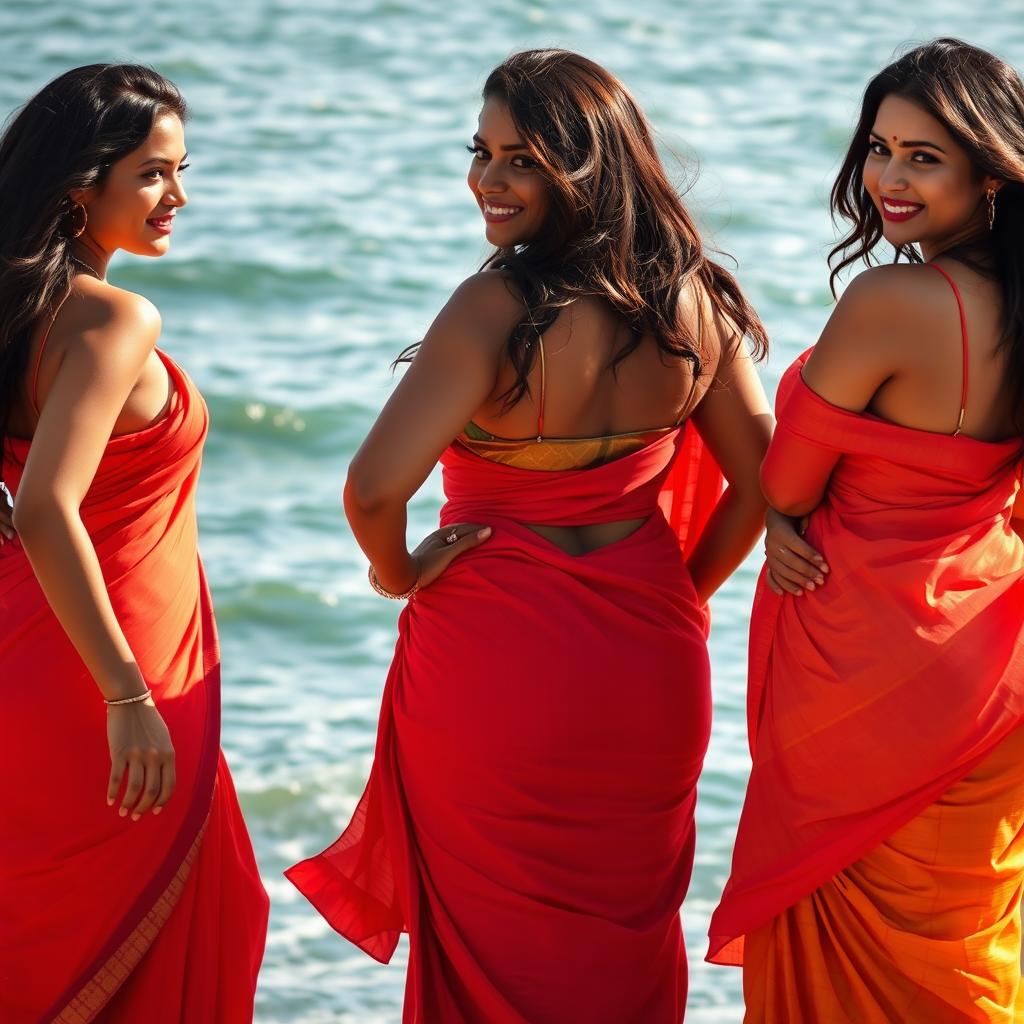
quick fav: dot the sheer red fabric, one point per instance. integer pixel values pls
(163, 919)
(529, 816)
(871, 697)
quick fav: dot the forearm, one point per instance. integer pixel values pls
(65, 564)
(380, 532)
(730, 534)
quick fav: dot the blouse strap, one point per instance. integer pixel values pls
(963, 339)
(543, 388)
(34, 391)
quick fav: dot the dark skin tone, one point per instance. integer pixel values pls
(460, 373)
(892, 346)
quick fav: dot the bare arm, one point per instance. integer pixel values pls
(451, 377)
(91, 386)
(113, 339)
(735, 422)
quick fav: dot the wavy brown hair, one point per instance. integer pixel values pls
(979, 99)
(64, 139)
(616, 229)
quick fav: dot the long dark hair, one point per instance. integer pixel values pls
(64, 139)
(616, 228)
(979, 99)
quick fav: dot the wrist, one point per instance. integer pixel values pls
(398, 580)
(396, 594)
(123, 686)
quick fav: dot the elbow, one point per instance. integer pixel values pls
(366, 493)
(790, 504)
(786, 500)
(33, 514)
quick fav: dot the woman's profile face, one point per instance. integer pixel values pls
(920, 179)
(133, 209)
(508, 183)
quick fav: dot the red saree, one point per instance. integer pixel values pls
(529, 816)
(101, 919)
(877, 708)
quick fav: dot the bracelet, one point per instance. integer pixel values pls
(138, 698)
(375, 583)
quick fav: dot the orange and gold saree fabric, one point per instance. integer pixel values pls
(878, 866)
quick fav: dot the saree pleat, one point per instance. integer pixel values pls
(529, 815)
(878, 865)
(90, 899)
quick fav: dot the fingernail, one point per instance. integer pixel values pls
(110, 803)
(824, 567)
(819, 580)
(135, 817)
(484, 533)
(123, 812)
(157, 810)
(810, 586)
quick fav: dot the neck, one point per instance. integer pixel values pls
(89, 254)
(971, 235)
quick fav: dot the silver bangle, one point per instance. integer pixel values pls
(375, 583)
(137, 699)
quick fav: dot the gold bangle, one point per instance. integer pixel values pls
(375, 583)
(137, 699)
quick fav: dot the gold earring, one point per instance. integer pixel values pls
(990, 193)
(76, 220)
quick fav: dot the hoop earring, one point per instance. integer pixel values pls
(76, 220)
(990, 194)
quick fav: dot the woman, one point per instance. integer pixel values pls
(879, 865)
(127, 880)
(529, 817)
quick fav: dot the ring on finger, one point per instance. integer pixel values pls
(452, 537)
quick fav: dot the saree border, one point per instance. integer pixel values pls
(90, 992)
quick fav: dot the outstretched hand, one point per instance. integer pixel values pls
(438, 549)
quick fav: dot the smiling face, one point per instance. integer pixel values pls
(134, 207)
(921, 180)
(508, 183)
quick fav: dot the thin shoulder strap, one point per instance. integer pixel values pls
(34, 392)
(963, 338)
(543, 388)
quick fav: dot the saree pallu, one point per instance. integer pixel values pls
(102, 918)
(879, 862)
(529, 816)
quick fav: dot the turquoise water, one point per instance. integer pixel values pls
(328, 223)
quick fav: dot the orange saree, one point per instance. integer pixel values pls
(102, 919)
(879, 863)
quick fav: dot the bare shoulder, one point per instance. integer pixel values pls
(719, 339)
(883, 312)
(898, 294)
(103, 318)
(492, 292)
(480, 314)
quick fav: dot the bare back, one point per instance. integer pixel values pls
(574, 394)
(927, 394)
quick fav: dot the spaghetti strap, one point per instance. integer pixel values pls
(963, 338)
(543, 388)
(34, 392)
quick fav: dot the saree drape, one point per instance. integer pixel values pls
(870, 701)
(529, 816)
(102, 918)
